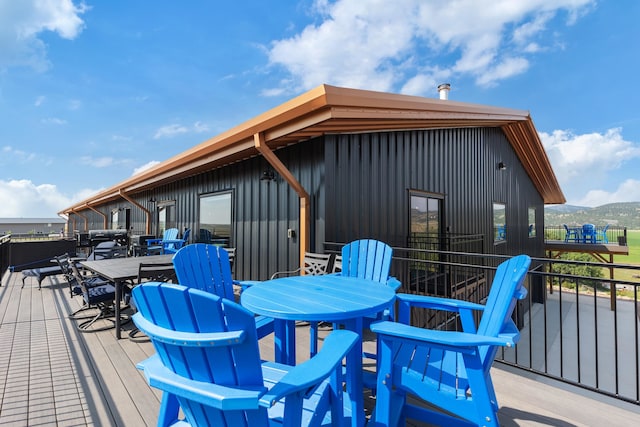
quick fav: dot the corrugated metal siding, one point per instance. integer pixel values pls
(358, 186)
(372, 174)
(262, 212)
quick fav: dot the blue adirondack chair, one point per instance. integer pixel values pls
(171, 246)
(571, 234)
(588, 233)
(207, 363)
(601, 235)
(158, 245)
(366, 259)
(448, 369)
(207, 267)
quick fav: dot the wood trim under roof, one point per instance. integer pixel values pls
(329, 109)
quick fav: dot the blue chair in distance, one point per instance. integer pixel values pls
(208, 365)
(571, 234)
(450, 370)
(588, 233)
(157, 246)
(172, 246)
(601, 235)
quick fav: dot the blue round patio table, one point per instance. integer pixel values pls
(332, 298)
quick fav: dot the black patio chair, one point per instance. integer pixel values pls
(148, 272)
(99, 296)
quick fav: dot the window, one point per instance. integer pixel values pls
(425, 222)
(499, 222)
(114, 219)
(215, 219)
(166, 216)
(425, 215)
(425, 233)
(532, 222)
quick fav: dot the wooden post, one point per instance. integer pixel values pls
(281, 169)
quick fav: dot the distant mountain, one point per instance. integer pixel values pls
(620, 214)
(565, 208)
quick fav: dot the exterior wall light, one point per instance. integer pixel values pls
(268, 176)
(502, 166)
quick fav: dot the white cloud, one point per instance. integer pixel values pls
(102, 162)
(21, 23)
(54, 121)
(371, 44)
(169, 131)
(582, 162)
(571, 154)
(25, 199)
(15, 155)
(507, 68)
(629, 190)
(75, 104)
(200, 127)
(145, 167)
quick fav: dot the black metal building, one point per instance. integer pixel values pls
(339, 164)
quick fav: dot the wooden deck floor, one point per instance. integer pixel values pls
(52, 375)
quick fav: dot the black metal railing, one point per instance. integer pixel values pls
(572, 328)
(5, 254)
(615, 234)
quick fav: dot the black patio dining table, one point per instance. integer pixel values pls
(119, 270)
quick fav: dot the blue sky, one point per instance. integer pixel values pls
(91, 92)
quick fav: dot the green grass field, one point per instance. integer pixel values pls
(633, 241)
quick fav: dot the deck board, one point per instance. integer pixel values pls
(51, 374)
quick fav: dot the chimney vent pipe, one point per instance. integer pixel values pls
(443, 89)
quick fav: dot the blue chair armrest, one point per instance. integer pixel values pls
(214, 395)
(464, 308)
(175, 241)
(451, 340)
(510, 332)
(303, 376)
(394, 283)
(438, 303)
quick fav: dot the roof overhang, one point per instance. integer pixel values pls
(333, 110)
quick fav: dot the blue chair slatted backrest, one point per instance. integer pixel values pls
(234, 362)
(367, 259)
(506, 289)
(206, 267)
(170, 234)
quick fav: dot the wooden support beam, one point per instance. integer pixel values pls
(283, 171)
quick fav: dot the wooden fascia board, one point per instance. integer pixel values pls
(529, 149)
(299, 125)
(405, 114)
(345, 97)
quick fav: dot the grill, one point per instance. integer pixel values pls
(140, 243)
(93, 237)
